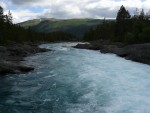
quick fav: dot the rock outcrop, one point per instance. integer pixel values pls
(135, 52)
(10, 57)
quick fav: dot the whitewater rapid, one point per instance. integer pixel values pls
(69, 80)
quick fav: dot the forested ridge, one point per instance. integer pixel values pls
(126, 28)
(77, 27)
(10, 32)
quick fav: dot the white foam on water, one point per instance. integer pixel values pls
(116, 85)
(82, 81)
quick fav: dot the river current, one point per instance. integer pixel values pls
(69, 80)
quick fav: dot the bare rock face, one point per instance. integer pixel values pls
(3, 49)
(138, 52)
(11, 67)
(11, 56)
(135, 52)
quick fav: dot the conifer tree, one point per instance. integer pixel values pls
(1, 14)
(10, 18)
(123, 14)
(123, 17)
(142, 15)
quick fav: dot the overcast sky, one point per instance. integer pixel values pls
(23, 10)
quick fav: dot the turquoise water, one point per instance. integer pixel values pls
(68, 80)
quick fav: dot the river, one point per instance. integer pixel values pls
(69, 80)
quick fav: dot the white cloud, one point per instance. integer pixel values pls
(23, 15)
(3, 4)
(146, 4)
(76, 8)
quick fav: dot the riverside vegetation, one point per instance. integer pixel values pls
(17, 42)
(126, 28)
(128, 36)
(71, 80)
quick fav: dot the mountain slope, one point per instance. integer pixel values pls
(76, 27)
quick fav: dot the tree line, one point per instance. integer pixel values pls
(10, 32)
(126, 28)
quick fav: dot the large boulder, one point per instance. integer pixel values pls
(13, 68)
(11, 55)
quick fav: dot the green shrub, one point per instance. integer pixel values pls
(129, 38)
(144, 37)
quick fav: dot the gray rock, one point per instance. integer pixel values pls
(11, 56)
(13, 68)
(135, 52)
(3, 49)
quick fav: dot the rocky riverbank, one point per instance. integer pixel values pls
(135, 52)
(12, 55)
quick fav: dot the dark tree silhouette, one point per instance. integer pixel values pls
(123, 14)
(10, 18)
(125, 29)
(1, 14)
(142, 15)
(10, 32)
(123, 22)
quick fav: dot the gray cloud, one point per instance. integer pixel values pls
(75, 8)
(102, 12)
(24, 2)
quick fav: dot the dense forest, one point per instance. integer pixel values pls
(10, 32)
(126, 28)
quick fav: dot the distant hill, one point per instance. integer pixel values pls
(76, 27)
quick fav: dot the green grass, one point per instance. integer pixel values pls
(74, 26)
(29, 23)
(58, 23)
